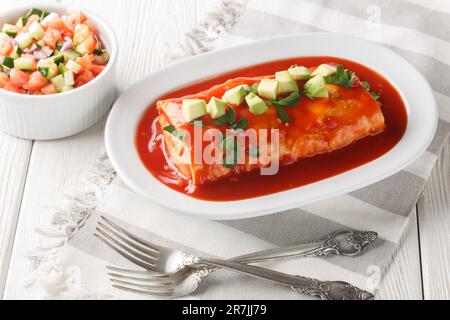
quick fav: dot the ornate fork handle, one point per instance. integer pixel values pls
(326, 290)
(332, 290)
(346, 243)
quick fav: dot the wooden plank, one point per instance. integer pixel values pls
(14, 157)
(147, 31)
(403, 279)
(434, 230)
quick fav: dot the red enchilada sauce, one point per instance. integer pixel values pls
(306, 170)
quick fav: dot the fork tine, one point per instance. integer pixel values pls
(144, 292)
(166, 280)
(161, 288)
(122, 252)
(139, 272)
(136, 246)
(132, 236)
(131, 250)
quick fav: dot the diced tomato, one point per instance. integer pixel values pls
(85, 62)
(58, 24)
(76, 17)
(90, 43)
(13, 88)
(97, 69)
(84, 78)
(36, 82)
(18, 77)
(49, 89)
(51, 37)
(4, 79)
(5, 48)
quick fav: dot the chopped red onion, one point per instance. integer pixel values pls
(42, 53)
(67, 45)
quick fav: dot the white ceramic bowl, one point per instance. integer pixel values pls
(60, 115)
(129, 108)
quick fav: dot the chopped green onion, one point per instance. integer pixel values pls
(253, 152)
(176, 133)
(241, 124)
(342, 77)
(282, 114)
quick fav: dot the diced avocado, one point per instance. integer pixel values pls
(216, 108)
(234, 96)
(287, 84)
(316, 87)
(73, 66)
(71, 54)
(24, 63)
(58, 81)
(300, 73)
(268, 88)
(324, 70)
(69, 79)
(256, 104)
(36, 30)
(24, 40)
(10, 30)
(193, 109)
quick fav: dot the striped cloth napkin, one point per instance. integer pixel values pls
(415, 30)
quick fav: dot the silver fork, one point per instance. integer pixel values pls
(172, 273)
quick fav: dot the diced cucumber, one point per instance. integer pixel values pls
(36, 30)
(67, 88)
(58, 59)
(10, 29)
(62, 68)
(24, 40)
(59, 83)
(98, 52)
(34, 11)
(22, 22)
(69, 79)
(71, 54)
(3, 37)
(81, 48)
(73, 66)
(105, 56)
(44, 15)
(8, 62)
(16, 52)
(59, 45)
(44, 71)
(24, 63)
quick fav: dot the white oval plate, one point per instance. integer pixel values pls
(127, 111)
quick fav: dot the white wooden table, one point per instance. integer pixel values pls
(35, 174)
